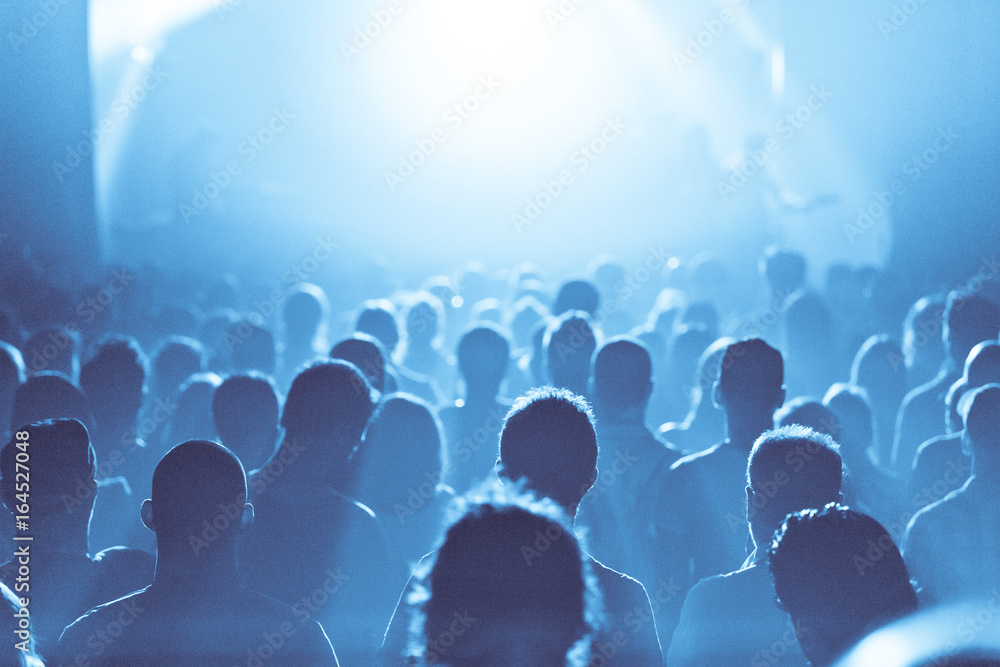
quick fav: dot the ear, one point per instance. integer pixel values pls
(718, 398)
(498, 469)
(780, 400)
(146, 514)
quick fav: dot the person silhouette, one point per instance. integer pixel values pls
(510, 586)
(193, 418)
(421, 348)
(952, 546)
(251, 348)
(12, 374)
(370, 357)
(337, 568)
(53, 349)
(471, 428)
(698, 522)
(377, 320)
(548, 444)
(839, 576)
(195, 611)
(65, 580)
(175, 359)
(969, 319)
(880, 371)
(303, 319)
(245, 414)
(923, 348)
(570, 341)
(576, 295)
(621, 384)
(671, 399)
(704, 424)
(731, 618)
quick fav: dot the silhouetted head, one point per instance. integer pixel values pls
(424, 319)
(197, 483)
(114, 381)
(483, 356)
(548, 439)
(969, 319)
(923, 349)
(576, 295)
(61, 461)
(569, 343)
(751, 378)
(702, 314)
(12, 374)
(854, 417)
(809, 412)
(785, 271)
(488, 310)
(378, 319)
(689, 342)
(329, 400)
(509, 586)
(622, 377)
(401, 451)
(304, 313)
(981, 410)
(808, 325)
(251, 348)
(49, 395)
(53, 349)
(193, 418)
(839, 575)
(528, 313)
(879, 368)
(791, 468)
(982, 366)
(176, 359)
(367, 354)
(245, 414)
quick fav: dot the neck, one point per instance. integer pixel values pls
(743, 430)
(181, 568)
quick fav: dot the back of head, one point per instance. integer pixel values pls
(483, 355)
(703, 314)
(515, 579)
(176, 358)
(528, 312)
(982, 366)
(751, 376)
(791, 468)
(193, 418)
(622, 374)
(424, 318)
(982, 426)
(401, 451)
(839, 574)
(922, 330)
(251, 347)
(61, 460)
(548, 439)
(367, 354)
(576, 295)
(854, 415)
(878, 367)
(115, 378)
(808, 322)
(329, 399)
(969, 319)
(808, 412)
(49, 395)
(244, 407)
(53, 349)
(570, 342)
(193, 483)
(785, 270)
(304, 312)
(378, 319)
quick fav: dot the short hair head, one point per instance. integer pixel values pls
(809, 412)
(569, 343)
(548, 439)
(790, 469)
(854, 415)
(49, 395)
(424, 318)
(367, 354)
(982, 422)
(982, 366)
(329, 399)
(195, 482)
(61, 459)
(826, 580)
(304, 311)
(969, 319)
(621, 374)
(378, 319)
(785, 270)
(53, 349)
(576, 295)
(752, 374)
(483, 355)
(243, 405)
(176, 358)
(114, 379)
(879, 364)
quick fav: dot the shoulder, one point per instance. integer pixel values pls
(100, 616)
(616, 586)
(126, 559)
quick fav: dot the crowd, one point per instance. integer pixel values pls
(498, 468)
